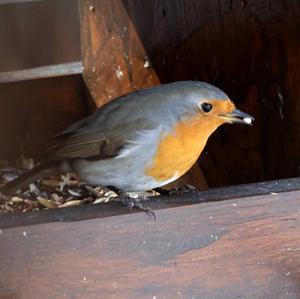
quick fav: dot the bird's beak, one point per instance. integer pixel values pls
(237, 117)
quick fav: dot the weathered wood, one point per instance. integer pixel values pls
(114, 58)
(17, 1)
(248, 48)
(241, 248)
(33, 110)
(114, 208)
(65, 69)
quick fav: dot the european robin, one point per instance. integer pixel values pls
(139, 141)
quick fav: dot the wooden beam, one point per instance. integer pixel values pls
(114, 57)
(58, 70)
(241, 248)
(18, 1)
(85, 212)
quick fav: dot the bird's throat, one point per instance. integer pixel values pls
(178, 150)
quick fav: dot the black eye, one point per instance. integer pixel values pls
(206, 107)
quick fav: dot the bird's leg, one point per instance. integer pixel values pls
(187, 188)
(177, 190)
(131, 202)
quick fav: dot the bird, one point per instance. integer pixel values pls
(139, 141)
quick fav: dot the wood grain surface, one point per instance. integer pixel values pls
(49, 71)
(241, 248)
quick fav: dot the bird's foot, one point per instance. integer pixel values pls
(131, 202)
(177, 190)
(185, 188)
(189, 188)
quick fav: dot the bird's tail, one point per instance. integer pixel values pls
(39, 171)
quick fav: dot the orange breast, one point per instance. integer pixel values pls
(179, 150)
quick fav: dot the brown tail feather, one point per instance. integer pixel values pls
(39, 171)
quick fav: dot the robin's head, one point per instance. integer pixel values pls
(207, 102)
(222, 111)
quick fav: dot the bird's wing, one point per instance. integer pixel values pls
(95, 142)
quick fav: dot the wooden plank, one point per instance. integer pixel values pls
(241, 248)
(85, 212)
(33, 110)
(65, 69)
(114, 58)
(17, 1)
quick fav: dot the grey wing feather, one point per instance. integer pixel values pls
(98, 143)
(104, 133)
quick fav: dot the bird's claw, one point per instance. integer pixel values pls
(131, 202)
(187, 188)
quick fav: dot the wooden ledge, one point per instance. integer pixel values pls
(112, 209)
(240, 248)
